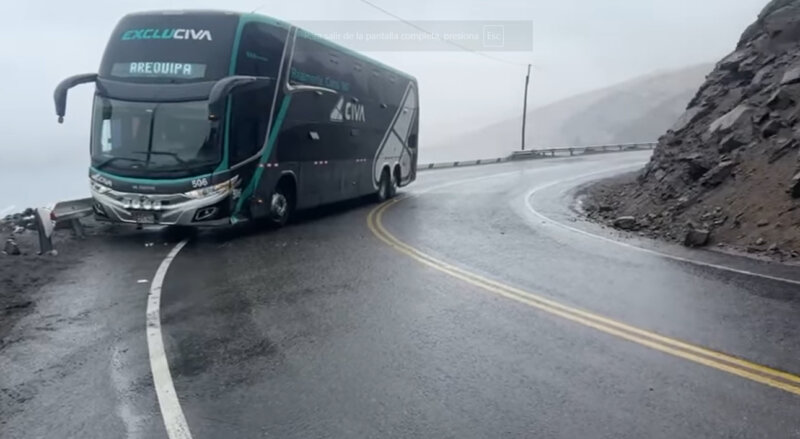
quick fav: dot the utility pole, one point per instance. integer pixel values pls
(525, 105)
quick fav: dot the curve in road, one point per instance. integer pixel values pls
(717, 360)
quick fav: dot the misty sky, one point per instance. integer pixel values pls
(578, 45)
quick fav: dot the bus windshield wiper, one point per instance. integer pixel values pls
(171, 154)
(113, 159)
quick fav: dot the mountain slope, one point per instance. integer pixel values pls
(637, 110)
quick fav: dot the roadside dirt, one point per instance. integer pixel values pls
(23, 275)
(606, 200)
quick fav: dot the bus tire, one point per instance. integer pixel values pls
(281, 203)
(387, 187)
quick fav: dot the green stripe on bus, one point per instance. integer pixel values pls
(150, 180)
(273, 135)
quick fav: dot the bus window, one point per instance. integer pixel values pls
(260, 53)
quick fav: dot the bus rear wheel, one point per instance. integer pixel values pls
(387, 188)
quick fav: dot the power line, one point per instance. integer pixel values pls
(452, 43)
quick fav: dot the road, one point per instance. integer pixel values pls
(474, 305)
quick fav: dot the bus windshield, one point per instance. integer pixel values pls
(138, 138)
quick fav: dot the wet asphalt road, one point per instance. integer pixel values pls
(321, 329)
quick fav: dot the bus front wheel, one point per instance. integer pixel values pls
(281, 205)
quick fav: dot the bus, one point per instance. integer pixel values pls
(207, 118)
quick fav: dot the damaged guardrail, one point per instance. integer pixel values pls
(65, 214)
(540, 153)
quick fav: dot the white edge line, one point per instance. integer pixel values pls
(549, 220)
(171, 412)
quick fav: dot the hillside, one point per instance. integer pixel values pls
(727, 172)
(636, 110)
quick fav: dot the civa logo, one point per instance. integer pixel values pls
(348, 111)
(166, 34)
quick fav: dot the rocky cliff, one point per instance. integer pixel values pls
(729, 166)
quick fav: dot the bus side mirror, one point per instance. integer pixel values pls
(229, 85)
(60, 94)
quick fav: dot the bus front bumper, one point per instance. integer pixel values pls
(163, 209)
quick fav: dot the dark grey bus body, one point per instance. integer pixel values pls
(297, 114)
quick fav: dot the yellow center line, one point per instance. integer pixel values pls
(717, 360)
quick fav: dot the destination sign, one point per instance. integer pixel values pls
(158, 69)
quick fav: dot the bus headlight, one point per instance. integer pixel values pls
(219, 188)
(99, 188)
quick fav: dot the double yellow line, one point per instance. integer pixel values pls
(717, 360)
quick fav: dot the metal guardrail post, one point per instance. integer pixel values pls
(44, 230)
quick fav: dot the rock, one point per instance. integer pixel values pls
(718, 174)
(791, 76)
(772, 127)
(730, 142)
(780, 100)
(760, 76)
(794, 190)
(696, 237)
(749, 64)
(696, 165)
(760, 116)
(726, 122)
(762, 222)
(773, 248)
(11, 248)
(760, 241)
(785, 147)
(732, 61)
(625, 222)
(688, 117)
(660, 174)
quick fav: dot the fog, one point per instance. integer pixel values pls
(578, 45)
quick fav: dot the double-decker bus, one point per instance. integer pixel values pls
(212, 118)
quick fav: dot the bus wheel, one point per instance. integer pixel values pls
(387, 187)
(281, 205)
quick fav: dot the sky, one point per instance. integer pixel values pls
(578, 45)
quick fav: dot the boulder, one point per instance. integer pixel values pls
(696, 165)
(11, 248)
(731, 142)
(792, 75)
(688, 117)
(625, 222)
(718, 174)
(761, 75)
(696, 237)
(794, 189)
(784, 148)
(732, 61)
(780, 100)
(772, 127)
(726, 122)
